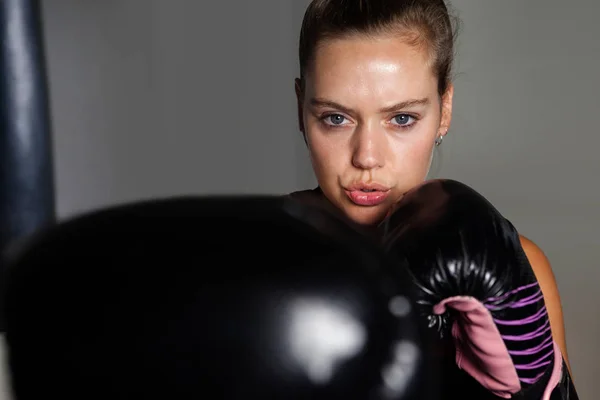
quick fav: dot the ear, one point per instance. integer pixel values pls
(300, 104)
(446, 110)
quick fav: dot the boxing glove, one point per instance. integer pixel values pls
(477, 290)
(222, 297)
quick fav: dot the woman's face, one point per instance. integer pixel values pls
(370, 113)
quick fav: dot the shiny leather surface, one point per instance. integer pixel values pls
(26, 169)
(455, 243)
(225, 298)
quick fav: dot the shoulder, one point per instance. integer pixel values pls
(538, 260)
(545, 276)
(543, 271)
(534, 252)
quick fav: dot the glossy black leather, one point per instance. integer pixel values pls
(455, 243)
(221, 298)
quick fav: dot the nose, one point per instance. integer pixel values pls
(369, 143)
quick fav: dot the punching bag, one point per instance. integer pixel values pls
(26, 169)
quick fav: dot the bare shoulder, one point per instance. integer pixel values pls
(538, 260)
(545, 276)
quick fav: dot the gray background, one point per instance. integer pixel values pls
(157, 98)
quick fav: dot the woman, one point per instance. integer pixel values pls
(374, 100)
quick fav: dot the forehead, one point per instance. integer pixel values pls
(382, 66)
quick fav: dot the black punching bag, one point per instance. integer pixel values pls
(26, 170)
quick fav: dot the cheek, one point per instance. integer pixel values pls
(407, 156)
(413, 153)
(327, 154)
(412, 158)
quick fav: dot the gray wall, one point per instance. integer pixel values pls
(155, 98)
(526, 134)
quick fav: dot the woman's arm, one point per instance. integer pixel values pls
(543, 272)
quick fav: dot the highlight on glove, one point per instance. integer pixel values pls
(220, 297)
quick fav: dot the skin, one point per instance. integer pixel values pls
(355, 126)
(545, 276)
(357, 129)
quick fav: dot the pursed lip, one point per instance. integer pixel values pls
(367, 186)
(367, 194)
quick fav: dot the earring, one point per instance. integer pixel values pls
(439, 139)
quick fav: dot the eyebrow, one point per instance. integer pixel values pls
(318, 102)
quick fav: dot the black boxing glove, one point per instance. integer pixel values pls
(478, 290)
(225, 298)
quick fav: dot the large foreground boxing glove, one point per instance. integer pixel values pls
(479, 291)
(216, 298)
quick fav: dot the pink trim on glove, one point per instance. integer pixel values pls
(481, 352)
(557, 371)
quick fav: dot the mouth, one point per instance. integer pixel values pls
(368, 188)
(367, 195)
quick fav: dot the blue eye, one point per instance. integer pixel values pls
(403, 119)
(335, 119)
